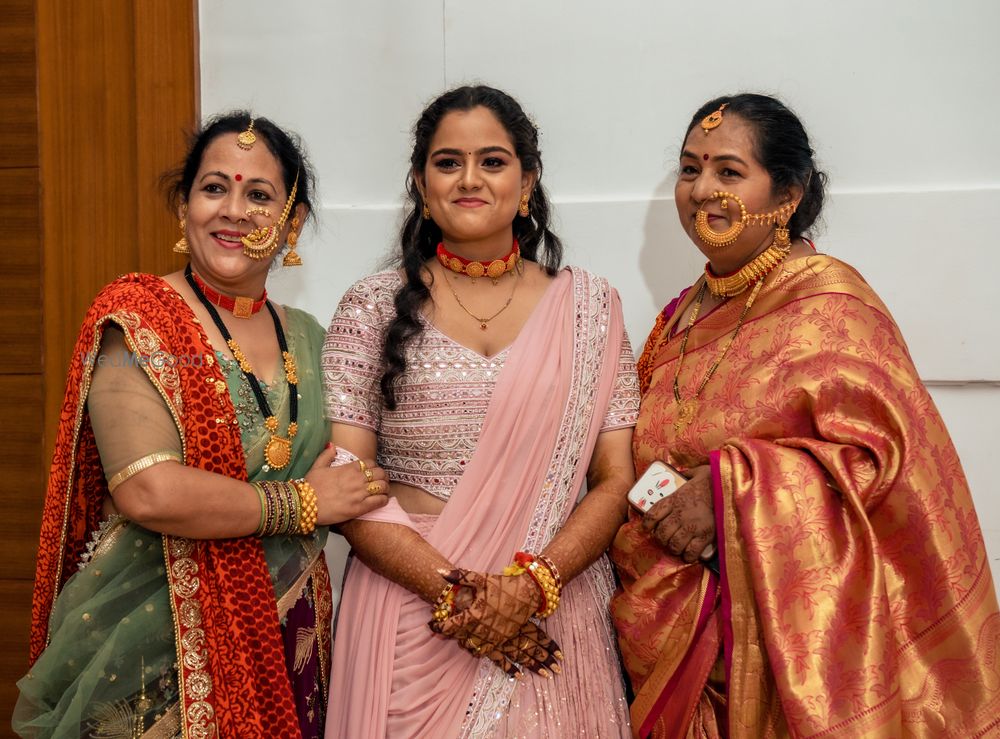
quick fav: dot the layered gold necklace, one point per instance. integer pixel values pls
(754, 273)
(687, 409)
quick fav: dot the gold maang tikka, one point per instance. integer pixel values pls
(262, 241)
(713, 120)
(246, 139)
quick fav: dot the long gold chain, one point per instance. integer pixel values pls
(483, 322)
(687, 409)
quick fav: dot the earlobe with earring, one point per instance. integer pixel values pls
(523, 210)
(182, 247)
(426, 212)
(291, 259)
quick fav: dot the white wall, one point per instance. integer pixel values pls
(900, 98)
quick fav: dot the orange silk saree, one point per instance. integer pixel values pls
(855, 597)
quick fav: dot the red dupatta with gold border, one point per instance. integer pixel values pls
(230, 659)
(856, 598)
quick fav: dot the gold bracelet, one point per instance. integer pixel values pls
(308, 506)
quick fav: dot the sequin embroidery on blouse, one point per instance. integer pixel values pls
(441, 399)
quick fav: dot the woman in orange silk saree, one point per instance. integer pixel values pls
(854, 597)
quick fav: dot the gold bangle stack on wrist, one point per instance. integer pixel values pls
(545, 575)
(286, 508)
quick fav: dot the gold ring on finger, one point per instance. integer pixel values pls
(369, 476)
(362, 465)
(374, 488)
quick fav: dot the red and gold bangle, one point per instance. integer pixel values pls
(542, 575)
(552, 568)
(445, 602)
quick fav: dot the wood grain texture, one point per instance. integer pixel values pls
(95, 101)
(20, 273)
(166, 113)
(22, 486)
(15, 619)
(18, 110)
(116, 94)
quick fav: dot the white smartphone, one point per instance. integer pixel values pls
(657, 482)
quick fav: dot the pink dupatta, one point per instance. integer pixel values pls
(520, 486)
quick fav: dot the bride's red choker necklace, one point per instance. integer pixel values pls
(494, 269)
(241, 307)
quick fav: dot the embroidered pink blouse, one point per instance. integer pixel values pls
(441, 400)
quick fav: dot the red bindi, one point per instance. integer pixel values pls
(703, 156)
(239, 178)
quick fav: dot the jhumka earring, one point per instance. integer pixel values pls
(426, 213)
(182, 247)
(780, 217)
(292, 259)
(720, 238)
(247, 139)
(522, 209)
(713, 120)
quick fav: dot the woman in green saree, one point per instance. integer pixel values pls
(181, 587)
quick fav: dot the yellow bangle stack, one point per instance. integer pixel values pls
(286, 508)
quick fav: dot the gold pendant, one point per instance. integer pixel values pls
(278, 452)
(686, 411)
(243, 307)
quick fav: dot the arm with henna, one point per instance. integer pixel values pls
(503, 605)
(403, 556)
(592, 526)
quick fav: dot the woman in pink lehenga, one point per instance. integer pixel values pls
(492, 387)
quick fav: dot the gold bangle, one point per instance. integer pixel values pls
(143, 463)
(308, 506)
(552, 568)
(550, 590)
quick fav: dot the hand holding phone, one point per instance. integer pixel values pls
(656, 483)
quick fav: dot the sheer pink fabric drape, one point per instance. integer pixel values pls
(391, 675)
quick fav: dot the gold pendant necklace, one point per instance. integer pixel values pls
(687, 408)
(278, 450)
(483, 322)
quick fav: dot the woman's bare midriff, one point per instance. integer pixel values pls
(415, 500)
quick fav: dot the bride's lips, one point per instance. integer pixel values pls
(231, 240)
(469, 202)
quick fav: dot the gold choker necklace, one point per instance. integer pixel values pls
(753, 271)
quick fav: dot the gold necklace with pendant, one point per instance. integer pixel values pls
(278, 451)
(483, 321)
(688, 409)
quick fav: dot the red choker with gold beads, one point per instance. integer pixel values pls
(494, 269)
